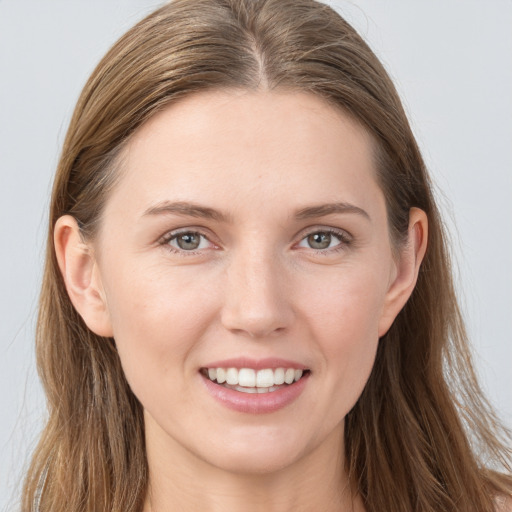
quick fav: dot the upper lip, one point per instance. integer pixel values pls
(256, 364)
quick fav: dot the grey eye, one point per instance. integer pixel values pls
(319, 240)
(187, 241)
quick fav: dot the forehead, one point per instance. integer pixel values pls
(239, 147)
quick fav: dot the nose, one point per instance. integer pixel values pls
(257, 300)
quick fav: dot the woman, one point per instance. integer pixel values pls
(247, 302)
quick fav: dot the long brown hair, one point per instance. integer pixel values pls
(421, 437)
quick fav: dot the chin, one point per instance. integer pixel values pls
(254, 464)
(260, 453)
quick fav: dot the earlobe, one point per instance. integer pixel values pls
(407, 269)
(79, 270)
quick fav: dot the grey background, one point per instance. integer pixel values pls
(452, 62)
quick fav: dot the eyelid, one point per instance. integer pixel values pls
(170, 235)
(344, 236)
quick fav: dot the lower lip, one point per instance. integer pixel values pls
(256, 403)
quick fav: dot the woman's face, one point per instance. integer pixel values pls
(247, 231)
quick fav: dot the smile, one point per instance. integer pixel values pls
(248, 380)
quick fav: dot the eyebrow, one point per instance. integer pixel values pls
(186, 209)
(329, 209)
(195, 210)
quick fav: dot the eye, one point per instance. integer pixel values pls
(321, 240)
(188, 241)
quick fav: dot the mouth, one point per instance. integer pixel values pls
(249, 380)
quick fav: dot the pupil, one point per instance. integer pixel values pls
(188, 241)
(319, 240)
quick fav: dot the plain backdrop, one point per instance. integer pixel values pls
(452, 63)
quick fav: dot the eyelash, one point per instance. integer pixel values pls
(345, 240)
(173, 235)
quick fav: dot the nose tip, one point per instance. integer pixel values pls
(256, 304)
(252, 327)
(255, 316)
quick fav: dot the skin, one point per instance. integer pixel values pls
(255, 287)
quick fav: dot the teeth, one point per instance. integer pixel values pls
(289, 376)
(246, 390)
(264, 378)
(232, 376)
(247, 377)
(221, 375)
(252, 381)
(254, 389)
(279, 376)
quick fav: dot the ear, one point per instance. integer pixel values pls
(407, 268)
(81, 276)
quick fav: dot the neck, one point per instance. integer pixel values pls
(315, 482)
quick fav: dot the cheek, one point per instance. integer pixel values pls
(155, 298)
(344, 318)
(155, 319)
(347, 305)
